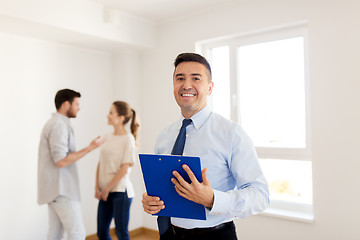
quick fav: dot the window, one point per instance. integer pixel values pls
(260, 81)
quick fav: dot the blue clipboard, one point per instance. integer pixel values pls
(157, 173)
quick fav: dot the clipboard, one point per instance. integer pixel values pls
(157, 173)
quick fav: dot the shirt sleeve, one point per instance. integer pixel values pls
(251, 194)
(129, 152)
(59, 141)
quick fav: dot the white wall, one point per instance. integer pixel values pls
(31, 71)
(334, 93)
(126, 65)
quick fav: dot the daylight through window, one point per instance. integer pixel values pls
(260, 81)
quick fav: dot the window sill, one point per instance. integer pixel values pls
(304, 214)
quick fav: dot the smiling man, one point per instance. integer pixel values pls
(233, 184)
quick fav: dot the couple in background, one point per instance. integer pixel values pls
(58, 182)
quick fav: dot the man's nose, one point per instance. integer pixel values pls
(187, 84)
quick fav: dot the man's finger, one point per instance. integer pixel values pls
(190, 173)
(153, 209)
(179, 186)
(204, 177)
(150, 198)
(151, 203)
(180, 179)
(181, 193)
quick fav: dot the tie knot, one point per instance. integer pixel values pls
(186, 122)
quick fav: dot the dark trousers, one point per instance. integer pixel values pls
(117, 206)
(224, 231)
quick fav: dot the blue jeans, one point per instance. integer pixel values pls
(117, 206)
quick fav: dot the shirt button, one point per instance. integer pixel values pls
(187, 135)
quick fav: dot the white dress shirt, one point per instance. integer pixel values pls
(239, 185)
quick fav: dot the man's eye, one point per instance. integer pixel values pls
(180, 79)
(196, 79)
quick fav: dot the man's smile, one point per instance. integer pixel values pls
(188, 94)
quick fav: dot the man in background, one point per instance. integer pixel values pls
(58, 181)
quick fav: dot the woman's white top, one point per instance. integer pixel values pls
(117, 150)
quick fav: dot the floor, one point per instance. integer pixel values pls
(138, 234)
(146, 236)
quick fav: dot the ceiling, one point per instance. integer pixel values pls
(159, 10)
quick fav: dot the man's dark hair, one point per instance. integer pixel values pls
(64, 95)
(192, 57)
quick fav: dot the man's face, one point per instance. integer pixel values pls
(192, 85)
(74, 108)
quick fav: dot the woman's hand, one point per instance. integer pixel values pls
(97, 193)
(104, 194)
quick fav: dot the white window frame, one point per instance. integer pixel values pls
(288, 210)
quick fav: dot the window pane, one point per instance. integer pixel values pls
(220, 75)
(289, 180)
(272, 92)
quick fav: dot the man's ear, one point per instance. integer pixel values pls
(211, 86)
(66, 105)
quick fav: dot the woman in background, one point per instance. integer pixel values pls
(113, 187)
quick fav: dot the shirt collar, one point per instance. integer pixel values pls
(199, 118)
(63, 117)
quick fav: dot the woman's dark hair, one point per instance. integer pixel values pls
(192, 57)
(65, 95)
(123, 109)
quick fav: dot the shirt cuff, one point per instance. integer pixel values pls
(222, 203)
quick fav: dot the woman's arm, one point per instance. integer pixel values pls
(97, 188)
(116, 179)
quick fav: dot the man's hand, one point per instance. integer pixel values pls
(96, 143)
(195, 191)
(152, 205)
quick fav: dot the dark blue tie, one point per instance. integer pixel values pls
(178, 149)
